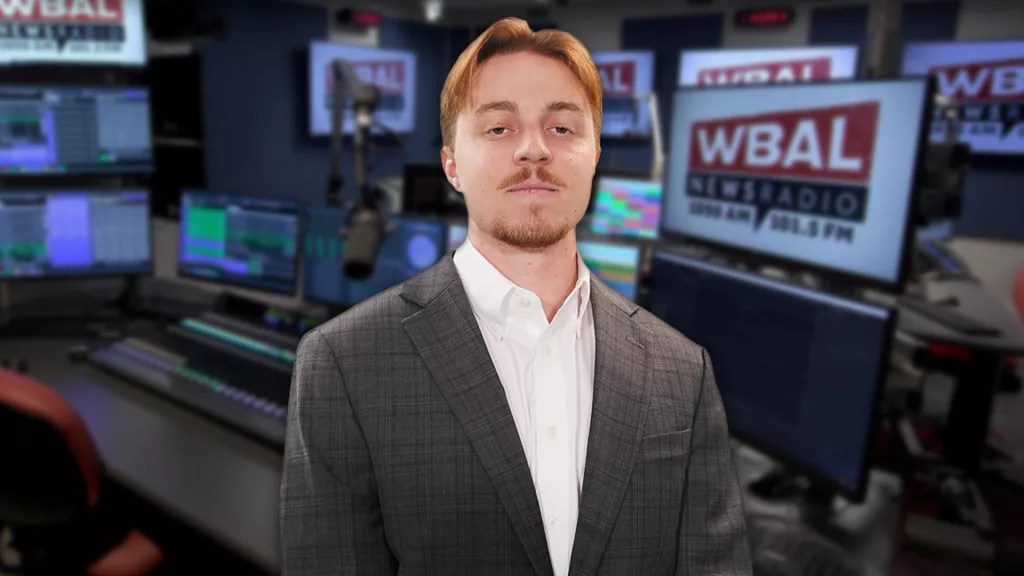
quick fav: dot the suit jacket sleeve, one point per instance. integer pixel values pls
(713, 530)
(330, 512)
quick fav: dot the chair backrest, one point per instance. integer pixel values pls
(51, 478)
(1018, 294)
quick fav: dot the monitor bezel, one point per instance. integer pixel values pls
(115, 173)
(858, 55)
(149, 271)
(856, 493)
(306, 297)
(640, 248)
(837, 275)
(231, 281)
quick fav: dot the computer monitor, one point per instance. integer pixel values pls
(767, 65)
(391, 72)
(74, 130)
(823, 176)
(98, 32)
(625, 76)
(617, 265)
(49, 234)
(457, 233)
(238, 240)
(629, 207)
(982, 79)
(800, 372)
(410, 247)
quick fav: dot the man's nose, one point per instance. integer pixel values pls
(532, 149)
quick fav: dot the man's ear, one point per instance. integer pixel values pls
(448, 165)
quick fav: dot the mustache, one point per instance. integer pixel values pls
(543, 174)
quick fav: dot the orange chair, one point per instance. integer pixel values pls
(1018, 294)
(52, 514)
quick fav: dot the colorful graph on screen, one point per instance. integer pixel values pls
(626, 207)
(616, 265)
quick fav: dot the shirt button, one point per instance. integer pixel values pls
(546, 350)
(496, 328)
(552, 521)
(525, 302)
(552, 431)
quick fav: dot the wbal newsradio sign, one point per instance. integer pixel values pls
(804, 172)
(70, 30)
(989, 96)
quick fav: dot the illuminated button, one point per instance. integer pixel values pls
(552, 431)
(552, 521)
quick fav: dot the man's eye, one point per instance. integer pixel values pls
(497, 131)
(562, 130)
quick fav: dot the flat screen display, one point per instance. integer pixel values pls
(74, 130)
(627, 207)
(411, 246)
(64, 233)
(819, 174)
(986, 81)
(97, 32)
(625, 76)
(238, 240)
(766, 65)
(617, 265)
(457, 233)
(392, 72)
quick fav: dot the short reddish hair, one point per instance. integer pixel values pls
(509, 36)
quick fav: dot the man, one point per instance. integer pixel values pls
(505, 412)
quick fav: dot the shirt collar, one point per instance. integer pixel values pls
(491, 293)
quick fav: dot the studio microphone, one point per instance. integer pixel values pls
(366, 224)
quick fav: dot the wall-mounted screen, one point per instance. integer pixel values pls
(625, 76)
(98, 32)
(392, 72)
(766, 65)
(819, 174)
(986, 81)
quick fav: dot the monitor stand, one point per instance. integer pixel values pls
(783, 485)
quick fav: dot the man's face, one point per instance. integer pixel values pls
(524, 152)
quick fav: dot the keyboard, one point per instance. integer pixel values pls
(243, 383)
(783, 548)
(949, 317)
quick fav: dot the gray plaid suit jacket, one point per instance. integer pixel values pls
(402, 456)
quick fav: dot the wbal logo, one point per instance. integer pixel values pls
(815, 162)
(804, 70)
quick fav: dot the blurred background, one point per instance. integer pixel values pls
(825, 194)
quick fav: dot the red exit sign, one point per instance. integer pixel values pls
(764, 17)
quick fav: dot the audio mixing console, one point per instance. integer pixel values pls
(234, 372)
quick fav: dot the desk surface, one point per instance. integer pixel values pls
(207, 476)
(975, 301)
(227, 486)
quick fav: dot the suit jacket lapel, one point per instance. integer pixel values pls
(617, 422)
(448, 338)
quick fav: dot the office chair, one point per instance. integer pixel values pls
(53, 516)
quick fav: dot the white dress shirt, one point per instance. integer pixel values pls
(547, 370)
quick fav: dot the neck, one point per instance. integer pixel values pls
(549, 273)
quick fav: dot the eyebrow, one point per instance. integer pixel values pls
(507, 106)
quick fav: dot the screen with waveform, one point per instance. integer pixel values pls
(47, 234)
(617, 265)
(245, 241)
(627, 207)
(74, 130)
(410, 247)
